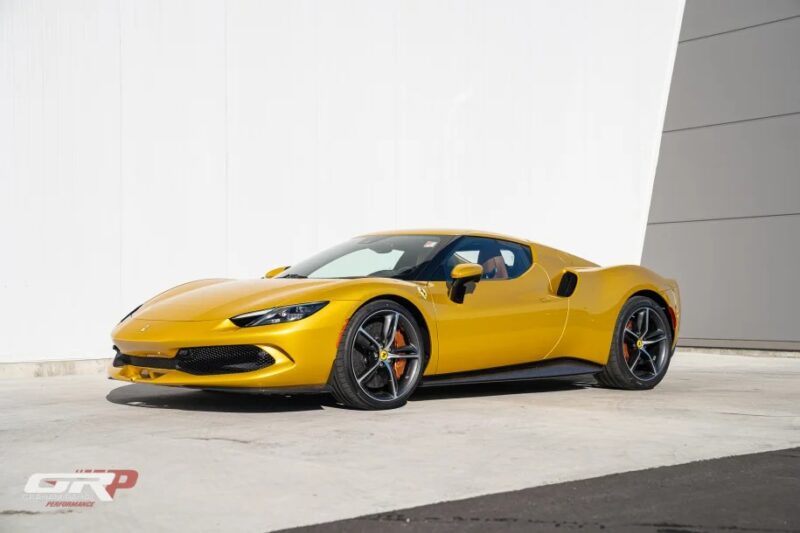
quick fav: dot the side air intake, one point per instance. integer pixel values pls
(568, 283)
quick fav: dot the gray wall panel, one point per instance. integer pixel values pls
(724, 215)
(742, 169)
(735, 283)
(708, 17)
(736, 76)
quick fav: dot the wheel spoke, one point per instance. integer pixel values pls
(646, 322)
(389, 329)
(657, 337)
(406, 355)
(652, 361)
(407, 351)
(635, 361)
(631, 332)
(369, 372)
(392, 379)
(370, 338)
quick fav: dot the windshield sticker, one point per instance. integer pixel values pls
(430, 244)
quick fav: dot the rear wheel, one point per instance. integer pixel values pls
(641, 348)
(380, 359)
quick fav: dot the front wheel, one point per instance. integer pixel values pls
(641, 347)
(380, 359)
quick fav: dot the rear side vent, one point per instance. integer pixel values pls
(568, 283)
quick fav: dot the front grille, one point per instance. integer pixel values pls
(122, 359)
(205, 360)
(223, 359)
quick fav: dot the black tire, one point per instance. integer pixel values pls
(360, 352)
(628, 367)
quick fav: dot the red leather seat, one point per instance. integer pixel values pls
(497, 265)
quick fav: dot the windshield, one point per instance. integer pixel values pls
(377, 256)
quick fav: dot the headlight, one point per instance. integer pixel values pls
(126, 317)
(278, 315)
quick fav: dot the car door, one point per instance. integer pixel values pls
(510, 318)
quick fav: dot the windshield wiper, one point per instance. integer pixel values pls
(294, 276)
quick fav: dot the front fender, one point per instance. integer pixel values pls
(415, 294)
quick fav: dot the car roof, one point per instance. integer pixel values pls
(537, 247)
(453, 232)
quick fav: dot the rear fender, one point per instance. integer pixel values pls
(595, 304)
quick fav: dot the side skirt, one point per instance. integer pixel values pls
(556, 368)
(273, 391)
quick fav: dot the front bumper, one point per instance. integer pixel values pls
(302, 352)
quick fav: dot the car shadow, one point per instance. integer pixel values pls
(444, 392)
(158, 397)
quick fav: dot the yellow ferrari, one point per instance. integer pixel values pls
(377, 316)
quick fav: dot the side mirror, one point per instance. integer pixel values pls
(465, 276)
(274, 272)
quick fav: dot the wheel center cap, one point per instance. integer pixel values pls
(384, 355)
(639, 343)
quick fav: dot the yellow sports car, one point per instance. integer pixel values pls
(375, 317)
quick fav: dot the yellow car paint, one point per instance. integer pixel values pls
(466, 271)
(501, 323)
(504, 322)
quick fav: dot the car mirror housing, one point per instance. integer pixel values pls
(465, 276)
(274, 272)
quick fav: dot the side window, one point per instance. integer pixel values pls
(499, 259)
(516, 257)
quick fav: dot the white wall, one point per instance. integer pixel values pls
(146, 143)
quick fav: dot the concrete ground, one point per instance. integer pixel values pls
(242, 463)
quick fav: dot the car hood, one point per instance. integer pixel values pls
(224, 298)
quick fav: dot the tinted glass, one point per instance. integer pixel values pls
(395, 256)
(499, 259)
